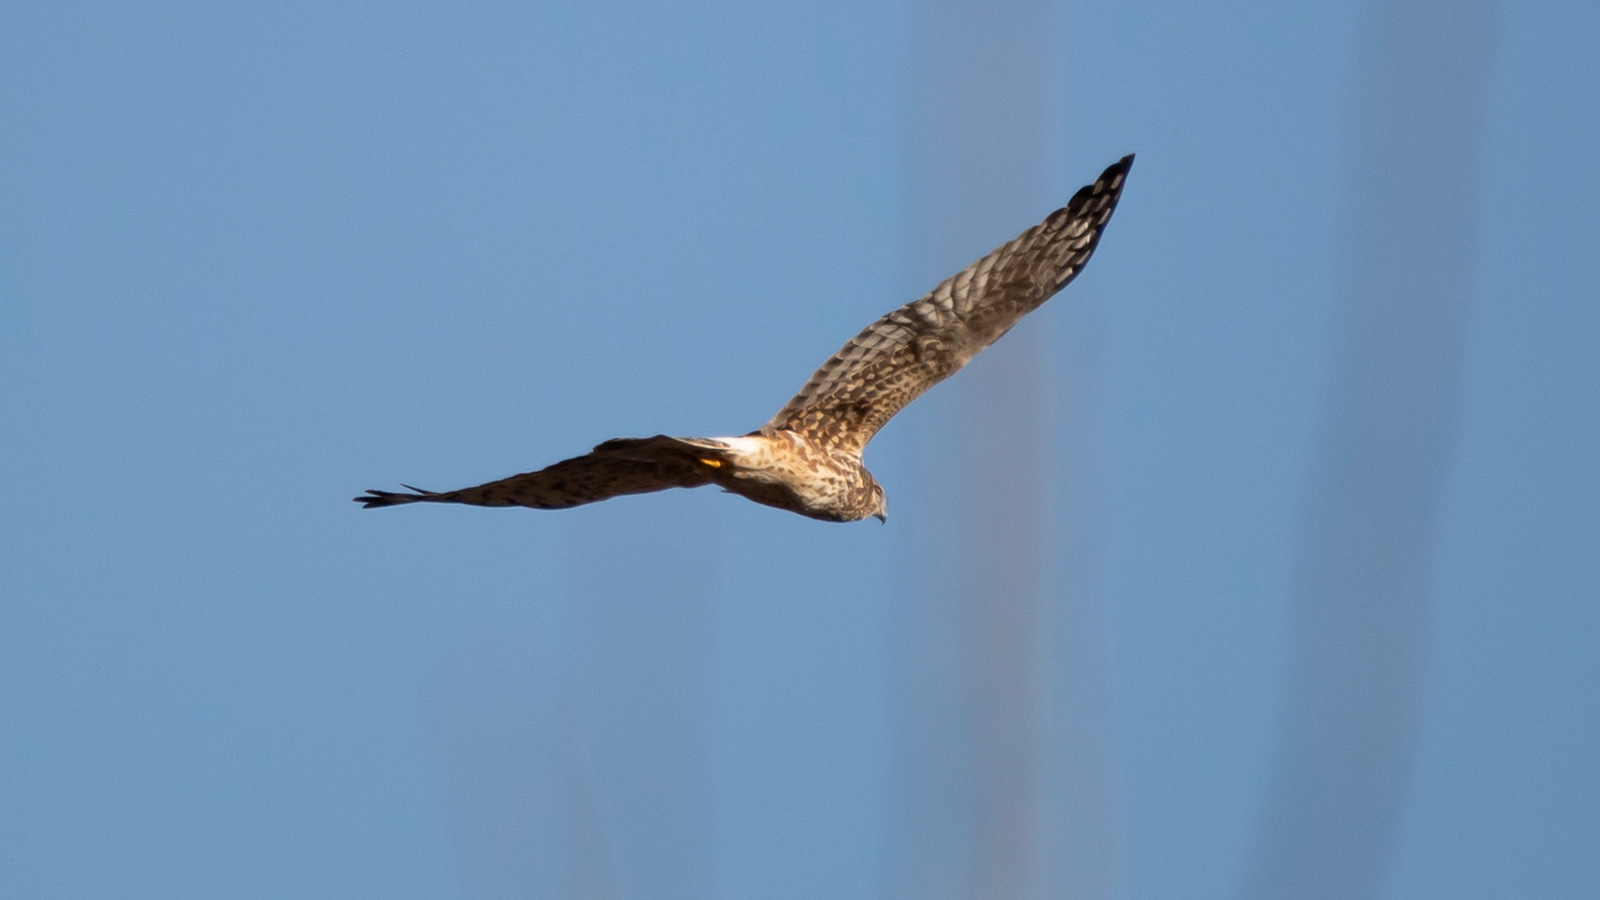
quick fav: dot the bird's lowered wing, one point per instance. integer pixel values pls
(622, 466)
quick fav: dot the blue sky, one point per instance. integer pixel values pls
(255, 259)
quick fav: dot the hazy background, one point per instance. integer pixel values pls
(255, 259)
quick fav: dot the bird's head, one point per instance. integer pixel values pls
(880, 503)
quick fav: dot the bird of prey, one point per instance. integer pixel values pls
(807, 459)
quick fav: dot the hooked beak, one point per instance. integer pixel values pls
(881, 518)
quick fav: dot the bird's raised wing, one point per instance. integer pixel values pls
(623, 466)
(924, 342)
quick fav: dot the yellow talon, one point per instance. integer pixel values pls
(713, 463)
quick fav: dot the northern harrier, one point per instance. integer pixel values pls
(808, 458)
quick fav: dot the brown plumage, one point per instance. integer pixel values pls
(807, 459)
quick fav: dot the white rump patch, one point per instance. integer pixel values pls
(741, 445)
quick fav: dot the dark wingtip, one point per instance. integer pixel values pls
(1109, 182)
(374, 499)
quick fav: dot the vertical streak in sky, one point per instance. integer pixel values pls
(1416, 132)
(588, 866)
(1079, 822)
(492, 714)
(639, 680)
(971, 623)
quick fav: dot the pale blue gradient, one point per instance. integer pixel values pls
(255, 259)
(1367, 552)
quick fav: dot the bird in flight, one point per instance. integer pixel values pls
(807, 459)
